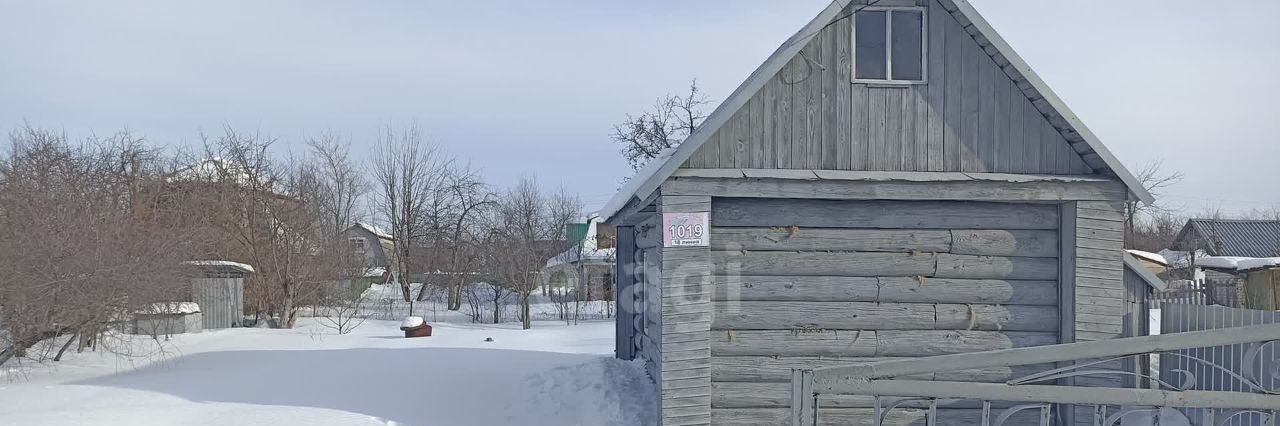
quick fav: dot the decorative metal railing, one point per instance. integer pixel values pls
(1043, 397)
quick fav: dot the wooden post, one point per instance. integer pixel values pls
(624, 273)
(804, 404)
(685, 371)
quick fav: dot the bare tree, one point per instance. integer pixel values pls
(342, 308)
(270, 211)
(408, 171)
(342, 183)
(90, 235)
(671, 119)
(466, 198)
(1155, 180)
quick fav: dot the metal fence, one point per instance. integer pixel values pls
(1239, 368)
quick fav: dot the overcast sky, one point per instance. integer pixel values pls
(534, 87)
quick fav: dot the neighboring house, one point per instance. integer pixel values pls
(372, 244)
(1230, 237)
(590, 258)
(894, 181)
(1233, 258)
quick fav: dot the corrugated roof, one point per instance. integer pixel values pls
(1225, 237)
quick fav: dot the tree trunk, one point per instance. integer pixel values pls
(455, 296)
(524, 310)
(74, 337)
(286, 313)
(496, 305)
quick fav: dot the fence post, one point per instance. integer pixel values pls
(804, 404)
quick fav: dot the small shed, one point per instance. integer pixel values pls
(839, 207)
(163, 319)
(218, 288)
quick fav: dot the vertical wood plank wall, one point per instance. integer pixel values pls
(685, 377)
(625, 329)
(647, 320)
(1099, 275)
(969, 115)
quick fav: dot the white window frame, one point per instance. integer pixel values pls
(888, 45)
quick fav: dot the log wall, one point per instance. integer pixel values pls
(815, 283)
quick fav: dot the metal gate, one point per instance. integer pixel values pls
(1040, 399)
(1238, 368)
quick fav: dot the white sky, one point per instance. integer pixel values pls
(535, 87)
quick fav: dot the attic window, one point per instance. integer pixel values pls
(889, 45)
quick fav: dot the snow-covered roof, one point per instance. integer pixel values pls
(587, 255)
(244, 267)
(1149, 256)
(375, 230)
(1097, 156)
(171, 308)
(589, 250)
(1132, 263)
(1239, 264)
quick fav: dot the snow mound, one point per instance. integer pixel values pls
(605, 391)
(411, 322)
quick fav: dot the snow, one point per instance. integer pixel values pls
(1240, 264)
(1153, 257)
(172, 308)
(246, 267)
(551, 375)
(375, 230)
(1258, 263)
(411, 322)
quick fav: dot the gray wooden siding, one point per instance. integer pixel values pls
(968, 117)
(685, 305)
(1099, 274)
(814, 283)
(647, 290)
(625, 271)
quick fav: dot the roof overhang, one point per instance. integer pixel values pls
(1132, 263)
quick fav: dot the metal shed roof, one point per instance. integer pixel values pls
(1226, 237)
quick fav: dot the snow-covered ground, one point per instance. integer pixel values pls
(552, 375)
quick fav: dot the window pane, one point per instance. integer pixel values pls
(907, 45)
(870, 51)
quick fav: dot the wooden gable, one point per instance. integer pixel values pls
(970, 115)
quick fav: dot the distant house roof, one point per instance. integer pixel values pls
(222, 264)
(1237, 238)
(375, 230)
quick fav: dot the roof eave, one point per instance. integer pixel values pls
(1132, 262)
(650, 177)
(1136, 189)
